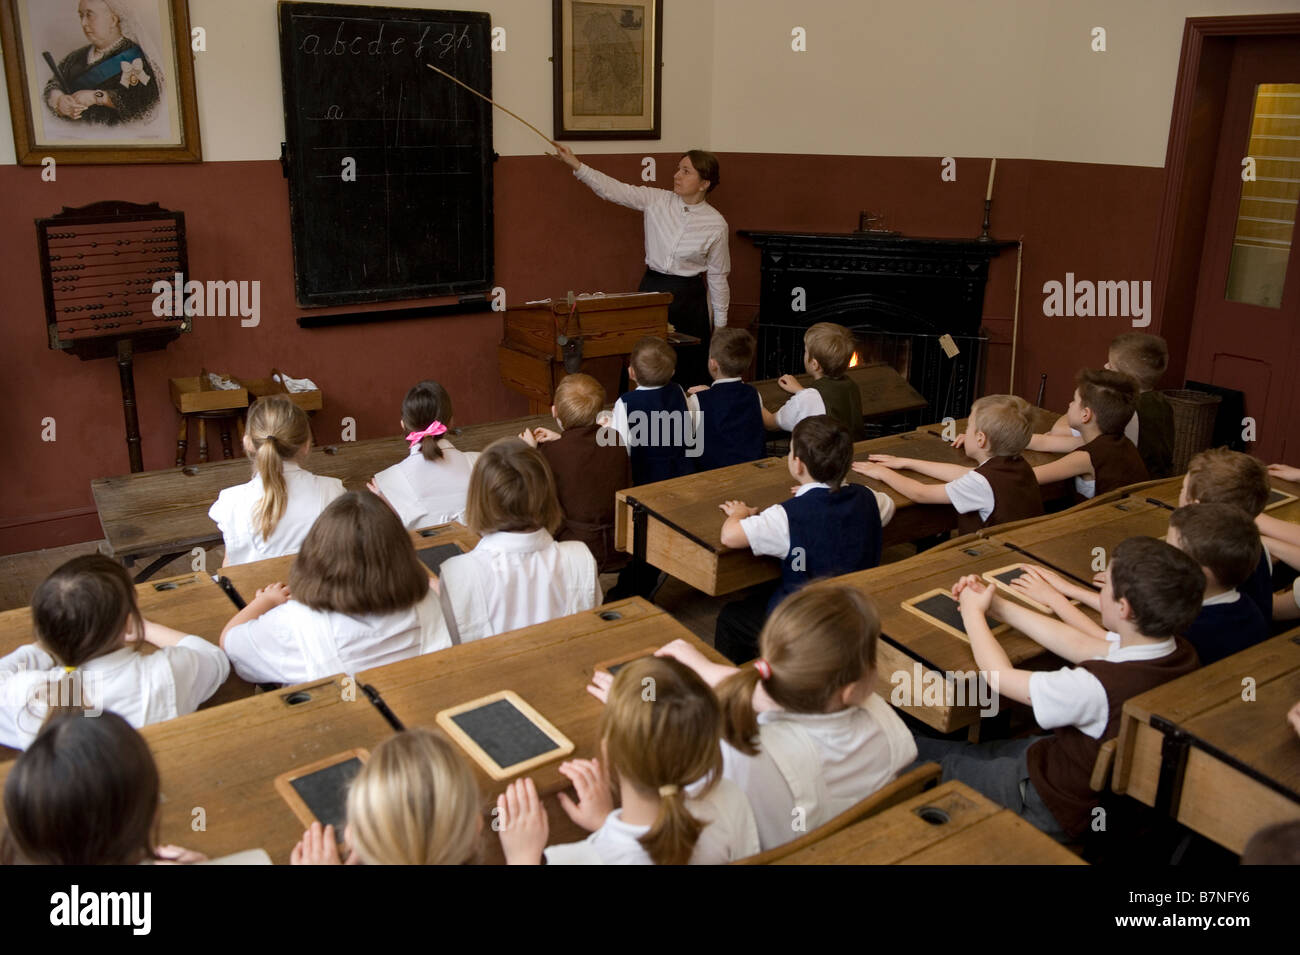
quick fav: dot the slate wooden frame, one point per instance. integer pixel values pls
(562, 11)
(30, 152)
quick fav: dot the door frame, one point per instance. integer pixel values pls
(1199, 98)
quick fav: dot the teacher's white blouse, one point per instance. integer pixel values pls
(680, 238)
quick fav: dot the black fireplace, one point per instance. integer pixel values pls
(915, 304)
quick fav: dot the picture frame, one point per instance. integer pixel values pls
(607, 69)
(115, 85)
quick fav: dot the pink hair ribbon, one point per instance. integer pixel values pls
(434, 430)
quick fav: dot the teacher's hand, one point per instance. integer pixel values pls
(565, 155)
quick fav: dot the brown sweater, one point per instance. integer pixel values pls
(587, 476)
(1060, 767)
(1115, 462)
(1016, 495)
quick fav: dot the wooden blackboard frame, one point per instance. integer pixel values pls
(296, 85)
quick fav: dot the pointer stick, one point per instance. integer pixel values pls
(494, 103)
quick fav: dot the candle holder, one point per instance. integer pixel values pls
(984, 235)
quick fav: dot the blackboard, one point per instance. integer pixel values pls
(940, 608)
(433, 557)
(320, 791)
(417, 220)
(1276, 497)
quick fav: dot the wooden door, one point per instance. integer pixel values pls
(1244, 326)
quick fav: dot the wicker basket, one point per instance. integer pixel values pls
(1194, 414)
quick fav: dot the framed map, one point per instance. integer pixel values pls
(607, 69)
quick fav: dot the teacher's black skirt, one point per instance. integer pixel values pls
(688, 314)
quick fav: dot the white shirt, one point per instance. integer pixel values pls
(680, 238)
(293, 643)
(1071, 696)
(513, 580)
(768, 531)
(308, 495)
(142, 688)
(729, 834)
(802, 404)
(971, 492)
(424, 492)
(811, 767)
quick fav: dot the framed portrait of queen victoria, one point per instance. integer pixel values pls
(100, 81)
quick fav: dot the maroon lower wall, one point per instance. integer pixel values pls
(552, 235)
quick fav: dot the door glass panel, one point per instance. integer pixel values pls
(1261, 243)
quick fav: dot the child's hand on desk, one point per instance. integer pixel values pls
(542, 435)
(318, 846)
(175, 855)
(522, 824)
(696, 389)
(528, 438)
(891, 461)
(973, 595)
(738, 509)
(959, 442)
(600, 684)
(1040, 584)
(869, 469)
(789, 384)
(1099, 579)
(595, 796)
(1294, 718)
(1284, 472)
(274, 594)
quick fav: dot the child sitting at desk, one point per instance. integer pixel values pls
(804, 735)
(414, 802)
(271, 514)
(358, 597)
(663, 750)
(86, 792)
(1151, 428)
(653, 420)
(729, 412)
(588, 473)
(1151, 593)
(429, 487)
(89, 633)
(1000, 488)
(1103, 403)
(827, 351)
(518, 575)
(828, 528)
(1220, 476)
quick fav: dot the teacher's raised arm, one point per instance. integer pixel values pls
(686, 248)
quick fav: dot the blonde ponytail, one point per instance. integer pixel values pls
(278, 429)
(660, 727)
(816, 642)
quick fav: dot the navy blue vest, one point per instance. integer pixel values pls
(659, 441)
(1259, 588)
(831, 533)
(731, 419)
(1220, 630)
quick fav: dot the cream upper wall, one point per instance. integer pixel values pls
(1010, 78)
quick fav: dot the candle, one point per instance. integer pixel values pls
(993, 167)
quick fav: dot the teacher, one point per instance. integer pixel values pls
(685, 248)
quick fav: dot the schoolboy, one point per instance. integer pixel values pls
(653, 420)
(729, 412)
(1000, 488)
(1103, 403)
(828, 349)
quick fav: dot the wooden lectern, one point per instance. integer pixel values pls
(538, 335)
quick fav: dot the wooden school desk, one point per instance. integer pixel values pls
(676, 525)
(1066, 542)
(911, 648)
(218, 766)
(1221, 765)
(951, 824)
(883, 391)
(549, 665)
(190, 603)
(164, 514)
